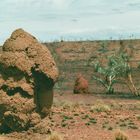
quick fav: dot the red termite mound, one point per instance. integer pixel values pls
(81, 85)
(27, 76)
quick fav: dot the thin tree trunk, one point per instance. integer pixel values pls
(132, 86)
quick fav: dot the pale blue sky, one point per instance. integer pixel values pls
(52, 20)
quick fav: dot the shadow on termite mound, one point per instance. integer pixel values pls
(43, 92)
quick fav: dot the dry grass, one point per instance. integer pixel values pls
(100, 106)
(138, 117)
(67, 104)
(55, 136)
(2, 138)
(119, 135)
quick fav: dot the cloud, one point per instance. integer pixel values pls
(58, 2)
(75, 17)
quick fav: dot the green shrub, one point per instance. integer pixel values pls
(117, 70)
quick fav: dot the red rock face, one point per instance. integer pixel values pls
(81, 85)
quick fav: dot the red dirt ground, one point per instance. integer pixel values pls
(73, 118)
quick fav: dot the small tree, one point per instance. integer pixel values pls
(118, 68)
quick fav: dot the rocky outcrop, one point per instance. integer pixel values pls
(27, 76)
(81, 85)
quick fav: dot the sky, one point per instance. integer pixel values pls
(52, 20)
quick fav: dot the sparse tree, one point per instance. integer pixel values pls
(117, 69)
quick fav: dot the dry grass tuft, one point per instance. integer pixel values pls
(100, 107)
(68, 105)
(119, 135)
(55, 136)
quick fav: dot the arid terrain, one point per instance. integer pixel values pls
(73, 58)
(91, 116)
(87, 117)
